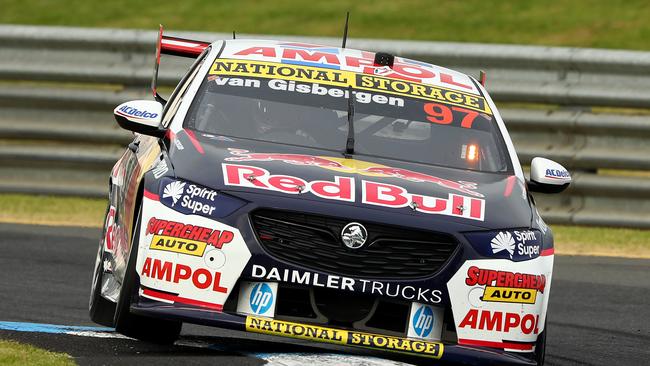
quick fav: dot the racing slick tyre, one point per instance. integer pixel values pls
(101, 311)
(540, 348)
(137, 326)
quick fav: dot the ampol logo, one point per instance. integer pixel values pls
(261, 298)
(423, 321)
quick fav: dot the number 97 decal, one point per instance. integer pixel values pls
(443, 115)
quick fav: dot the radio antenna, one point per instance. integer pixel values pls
(345, 29)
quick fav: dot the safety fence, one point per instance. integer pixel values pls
(587, 109)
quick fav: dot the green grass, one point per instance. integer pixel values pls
(588, 23)
(16, 354)
(48, 210)
(602, 241)
(72, 211)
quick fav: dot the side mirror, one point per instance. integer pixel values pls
(547, 176)
(141, 116)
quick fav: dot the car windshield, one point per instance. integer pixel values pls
(406, 121)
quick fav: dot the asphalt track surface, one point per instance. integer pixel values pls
(599, 312)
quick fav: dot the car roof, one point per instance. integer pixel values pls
(347, 59)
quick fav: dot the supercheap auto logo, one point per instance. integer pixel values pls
(343, 337)
(504, 286)
(184, 238)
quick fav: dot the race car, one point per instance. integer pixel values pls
(327, 194)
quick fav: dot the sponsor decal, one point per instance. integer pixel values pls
(110, 225)
(274, 70)
(343, 337)
(423, 321)
(160, 169)
(343, 189)
(487, 277)
(257, 298)
(525, 243)
(168, 271)
(195, 262)
(422, 91)
(500, 303)
(376, 288)
(175, 245)
(500, 321)
(515, 245)
(191, 198)
(195, 233)
(357, 61)
(557, 174)
(502, 286)
(261, 298)
(310, 80)
(503, 241)
(174, 190)
(355, 166)
(510, 294)
(134, 112)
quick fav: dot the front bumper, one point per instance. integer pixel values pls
(196, 282)
(445, 352)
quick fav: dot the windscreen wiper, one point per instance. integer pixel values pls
(349, 146)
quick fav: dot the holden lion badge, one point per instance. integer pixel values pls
(354, 235)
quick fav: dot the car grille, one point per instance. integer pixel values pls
(314, 242)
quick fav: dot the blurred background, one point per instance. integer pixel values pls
(571, 79)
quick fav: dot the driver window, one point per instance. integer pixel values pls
(177, 96)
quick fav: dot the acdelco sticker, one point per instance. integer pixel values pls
(343, 337)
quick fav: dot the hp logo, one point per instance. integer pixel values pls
(423, 321)
(261, 298)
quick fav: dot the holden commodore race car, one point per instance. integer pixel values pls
(327, 194)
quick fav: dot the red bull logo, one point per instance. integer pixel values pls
(343, 189)
(378, 170)
(465, 187)
(294, 159)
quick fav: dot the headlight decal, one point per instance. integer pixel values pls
(194, 199)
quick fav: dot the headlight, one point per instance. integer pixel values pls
(193, 199)
(514, 244)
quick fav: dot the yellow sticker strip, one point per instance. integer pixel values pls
(274, 70)
(177, 245)
(344, 79)
(422, 91)
(343, 337)
(510, 294)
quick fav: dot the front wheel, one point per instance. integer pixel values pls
(101, 310)
(540, 348)
(138, 326)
